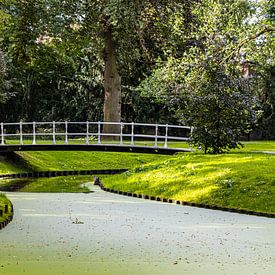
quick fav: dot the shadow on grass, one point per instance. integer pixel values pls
(17, 161)
(14, 185)
(240, 181)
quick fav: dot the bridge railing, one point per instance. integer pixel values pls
(92, 132)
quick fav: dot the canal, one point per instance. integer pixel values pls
(104, 233)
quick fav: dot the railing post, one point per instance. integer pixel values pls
(54, 140)
(21, 132)
(121, 133)
(132, 133)
(2, 134)
(87, 132)
(66, 132)
(191, 134)
(166, 136)
(156, 136)
(33, 133)
(98, 132)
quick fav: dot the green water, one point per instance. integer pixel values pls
(104, 233)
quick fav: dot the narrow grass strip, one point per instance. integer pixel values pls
(6, 211)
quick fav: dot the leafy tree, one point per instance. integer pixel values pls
(257, 49)
(204, 86)
(220, 107)
(48, 41)
(128, 35)
(49, 64)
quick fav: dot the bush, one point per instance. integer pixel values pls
(220, 107)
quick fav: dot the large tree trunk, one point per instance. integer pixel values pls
(112, 86)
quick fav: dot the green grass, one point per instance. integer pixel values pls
(4, 201)
(7, 166)
(43, 161)
(69, 184)
(256, 146)
(50, 161)
(238, 180)
(242, 178)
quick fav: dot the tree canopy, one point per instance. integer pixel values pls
(214, 84)
(152, 61)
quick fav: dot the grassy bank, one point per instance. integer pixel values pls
(68, 184)
(4, 201)
(50, 161)
(240, 180)
(8, 166)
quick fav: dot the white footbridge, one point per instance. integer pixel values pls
(92, 136)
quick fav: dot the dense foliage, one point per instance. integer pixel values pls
(141, 61)
(214, 84)
(220, 107)
(3, 80)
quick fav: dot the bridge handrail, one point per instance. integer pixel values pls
(95, 123)
(34, 132)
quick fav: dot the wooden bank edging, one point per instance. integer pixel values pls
(130, 194)
(9, 218)
(47, 174)
(200, 205)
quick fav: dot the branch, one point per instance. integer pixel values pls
(143, 46)
(251, 37)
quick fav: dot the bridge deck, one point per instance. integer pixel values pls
(93, 147)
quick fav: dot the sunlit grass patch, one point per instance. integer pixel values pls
(233, 180)
(242, 178)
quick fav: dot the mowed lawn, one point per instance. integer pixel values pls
(50, 161)
(242, 179)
